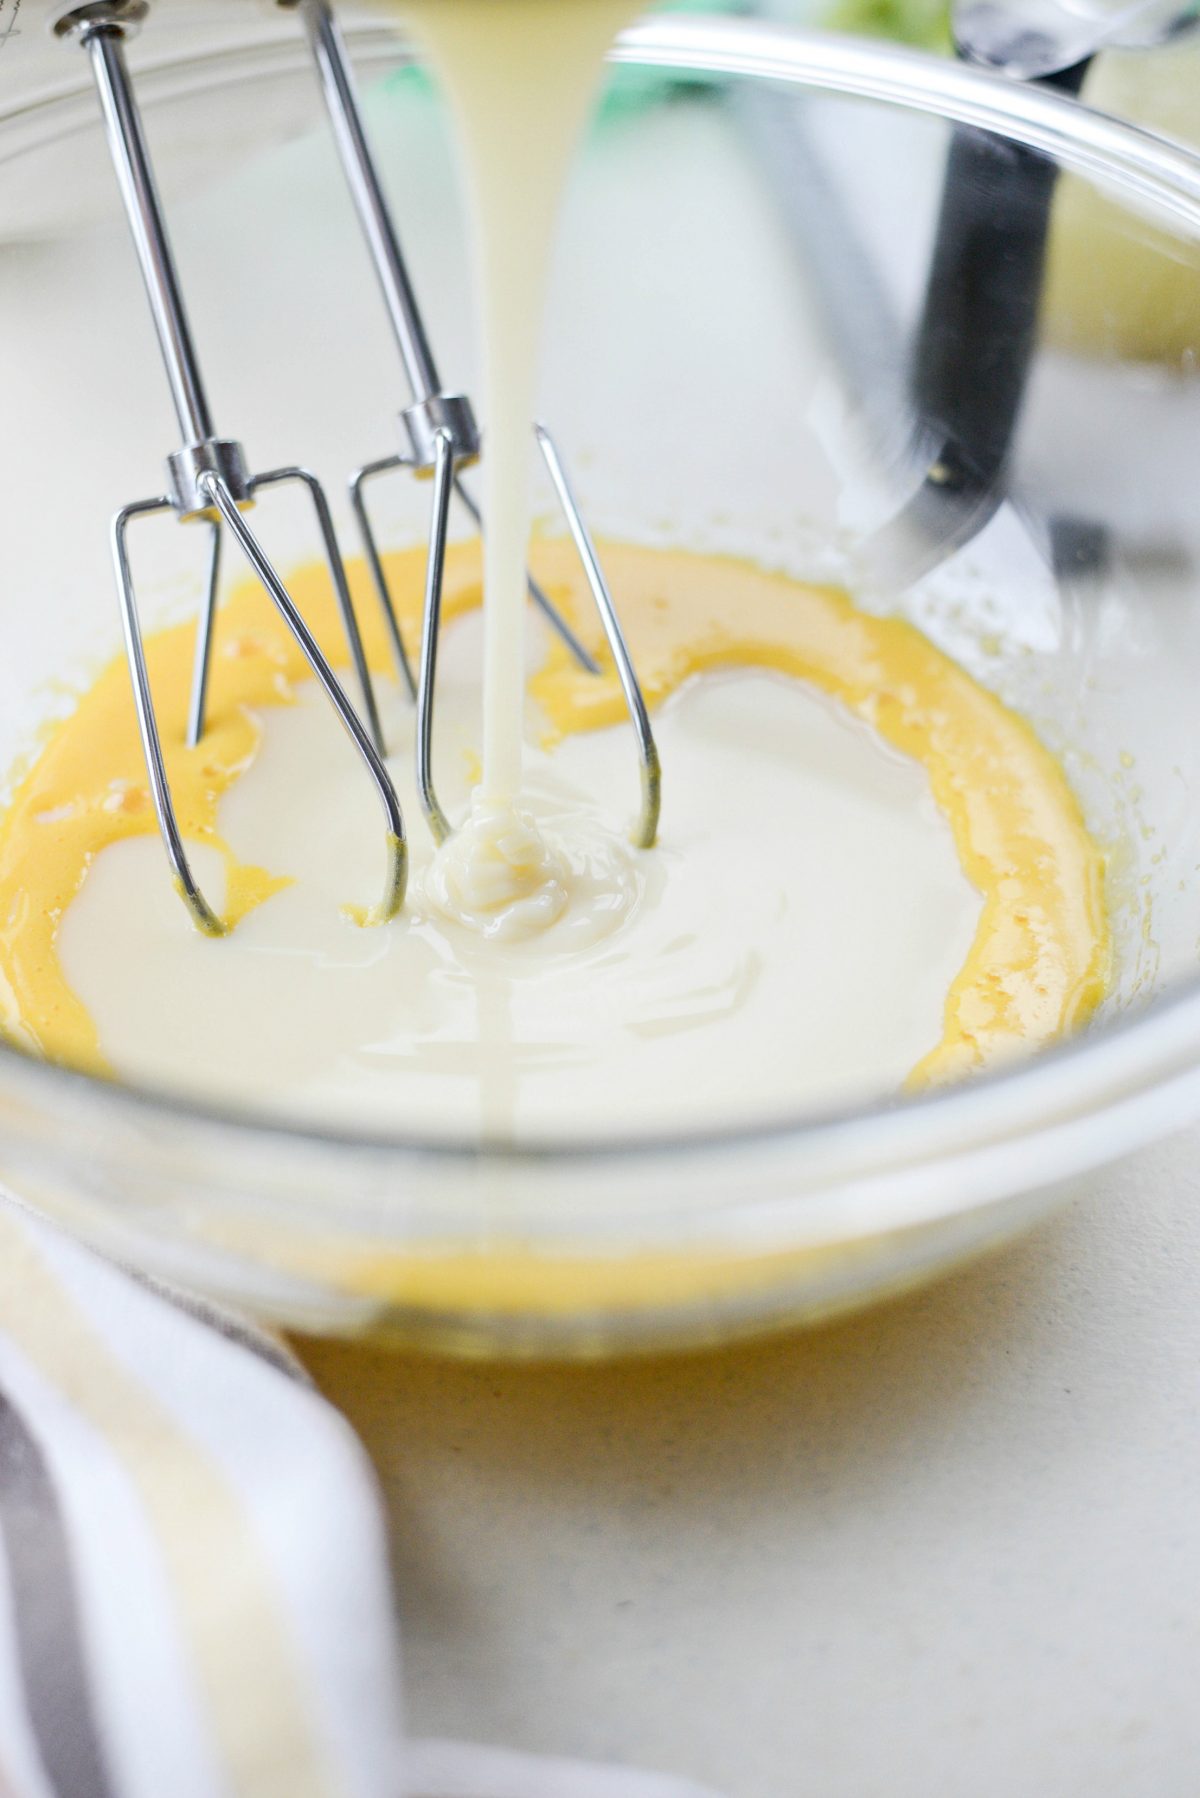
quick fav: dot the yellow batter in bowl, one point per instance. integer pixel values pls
(1039, 962)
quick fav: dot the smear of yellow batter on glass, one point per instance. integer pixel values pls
(1040, 961)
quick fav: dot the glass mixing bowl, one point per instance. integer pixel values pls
(747, 296)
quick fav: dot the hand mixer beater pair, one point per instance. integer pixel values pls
(209, 479)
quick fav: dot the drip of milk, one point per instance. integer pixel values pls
(519, 76)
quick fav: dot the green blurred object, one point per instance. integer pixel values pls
(409, 78)
(923, 23)
(627, 89)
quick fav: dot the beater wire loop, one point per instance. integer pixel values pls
(203, 914)
(358, 501)
(231, 516)
(198, 707)
(209, 481)
(635, 702)
(435, 569)
(282, 477)
(537, 593)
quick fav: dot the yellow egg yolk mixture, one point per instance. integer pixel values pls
(1039, 963)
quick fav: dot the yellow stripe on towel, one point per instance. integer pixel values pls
(231, 1616)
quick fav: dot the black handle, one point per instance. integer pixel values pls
(979, 322)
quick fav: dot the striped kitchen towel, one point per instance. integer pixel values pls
(194, 1597)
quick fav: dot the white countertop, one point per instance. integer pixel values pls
(949, 1546)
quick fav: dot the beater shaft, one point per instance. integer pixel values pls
(346, 121)
(432, 410)
(104, 44)
(209, 480)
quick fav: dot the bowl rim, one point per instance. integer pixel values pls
(1111, 1070)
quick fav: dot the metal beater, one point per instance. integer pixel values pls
(209, 480)
(439, 437)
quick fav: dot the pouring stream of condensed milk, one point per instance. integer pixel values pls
(520, 76)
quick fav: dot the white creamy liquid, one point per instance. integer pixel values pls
(789, 945)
